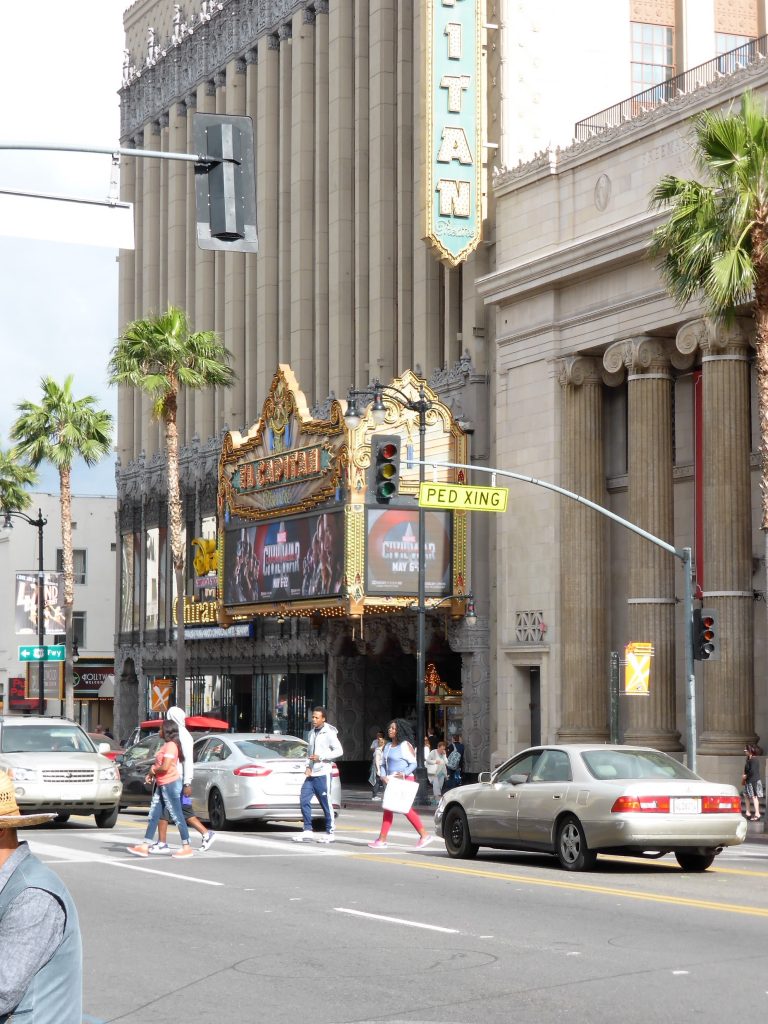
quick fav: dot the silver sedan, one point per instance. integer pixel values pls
(242, 776)
(578, 800)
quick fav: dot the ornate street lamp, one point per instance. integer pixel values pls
(38, 524)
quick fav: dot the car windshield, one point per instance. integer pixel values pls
(264, 749)
(634, 764)
(21, 739)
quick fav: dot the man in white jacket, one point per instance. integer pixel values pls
(323, 748)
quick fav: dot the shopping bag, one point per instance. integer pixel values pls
(399, 795)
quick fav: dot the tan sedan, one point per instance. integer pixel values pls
(578, 800)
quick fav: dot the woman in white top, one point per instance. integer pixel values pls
(437, 769)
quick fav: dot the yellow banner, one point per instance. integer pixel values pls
(637, 670)
(468, 499)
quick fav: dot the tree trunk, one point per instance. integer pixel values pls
(177, 545)
(65, 501)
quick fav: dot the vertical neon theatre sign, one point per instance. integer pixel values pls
(454, 109)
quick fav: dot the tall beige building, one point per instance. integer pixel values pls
(344, 289)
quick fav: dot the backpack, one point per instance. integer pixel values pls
(453, 760)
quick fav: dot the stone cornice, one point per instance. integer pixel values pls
(197, 57)
(653, 122)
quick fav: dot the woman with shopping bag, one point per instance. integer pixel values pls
(397, 768)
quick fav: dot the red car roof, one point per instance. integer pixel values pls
(199, 723)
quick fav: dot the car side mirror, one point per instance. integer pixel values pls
(484, 777)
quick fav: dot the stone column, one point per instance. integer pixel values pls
(177, 234)
(253, 398)
(151, 268)
(383, 186)
(583, 557)
(341, 143)
(359, 365)
(219, 264)
(233, 399)
(321, 337)
(284, 196)
(190, 250)
(127, 292)
(204, 291)
(267, 263)
(650, 720)
(406, 224)
(727, 716)
(138, 287)
(302, 184)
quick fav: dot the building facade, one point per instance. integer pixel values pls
(345, 290)
(93, 542)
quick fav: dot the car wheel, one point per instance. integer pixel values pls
(61, 818)
(571, 847)
(106, 819)
(694, 861)
(458, 841)
(217, 814)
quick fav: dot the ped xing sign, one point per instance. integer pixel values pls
(461, 496)
(51, 652)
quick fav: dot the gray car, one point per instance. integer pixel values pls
(578, 800)
(56, 768)
(240, 776)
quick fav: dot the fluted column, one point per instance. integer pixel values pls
(151, 268)
(405, 215)
(284, 196)
(727, 716)
(250, 371)
(138, 289)
(267, 162)
(321, 337)
(219, 265)
(362, 371)
(190, 250)
(204, 292)
(177, 231)
(127, 283)
(302, 198)
(341, 137)
(650, 721)
(233, 399)
(583, 556)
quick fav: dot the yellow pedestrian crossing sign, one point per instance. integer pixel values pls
(469, 499)
(637, 669)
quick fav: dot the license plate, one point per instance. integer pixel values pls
(685, 805)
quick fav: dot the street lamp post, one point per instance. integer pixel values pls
(421, 406)
(38, 523)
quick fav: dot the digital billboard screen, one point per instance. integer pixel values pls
(392, 552)
(284, 560)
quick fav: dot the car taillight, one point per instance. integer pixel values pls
(252, 771)
(721, 804)
(334, 771)
(639, 804)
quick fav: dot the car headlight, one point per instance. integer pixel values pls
(23, 774)
(108, 774)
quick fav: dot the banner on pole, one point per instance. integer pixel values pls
(637, 669)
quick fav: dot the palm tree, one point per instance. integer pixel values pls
(59, 430)
(15, 475)
(715, 242)
(160, 356)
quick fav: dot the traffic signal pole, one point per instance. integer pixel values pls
(684, 554)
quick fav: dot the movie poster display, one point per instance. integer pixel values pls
(392, 552)
(284, 560)
(26, 603)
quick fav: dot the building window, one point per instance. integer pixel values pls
(652, 59)
(78, 628)
(78, 563)
(733, 51)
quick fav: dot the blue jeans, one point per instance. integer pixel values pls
(316, 785)
(167, 798)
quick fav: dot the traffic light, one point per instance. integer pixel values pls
(225, 183)
(706, 642)
(386, 467)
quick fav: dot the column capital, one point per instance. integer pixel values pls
(640, 355)
(321, 6)
(715, 337)
(578, 370)
(308, 15)
(285, 32)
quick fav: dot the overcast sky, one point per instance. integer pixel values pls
(60, 69)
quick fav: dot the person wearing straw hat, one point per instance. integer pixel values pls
(41, 969)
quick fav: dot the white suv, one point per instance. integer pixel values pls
(56, 768)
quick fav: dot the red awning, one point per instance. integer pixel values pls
(195, 723)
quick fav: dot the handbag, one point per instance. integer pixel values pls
(399, 795)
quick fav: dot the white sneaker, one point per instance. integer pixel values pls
(208, 840)
(159, 848)
(304, 837)
(329, 837)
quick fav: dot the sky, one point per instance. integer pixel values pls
(60, 70)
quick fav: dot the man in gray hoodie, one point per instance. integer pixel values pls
(323, 748)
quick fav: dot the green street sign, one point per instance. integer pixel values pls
(51, 652)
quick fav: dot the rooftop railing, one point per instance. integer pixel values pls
(685, 82)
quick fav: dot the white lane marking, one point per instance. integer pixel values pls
(397, 920)
(65, 855)
(680, 972)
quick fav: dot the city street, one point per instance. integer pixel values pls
(260, 928)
